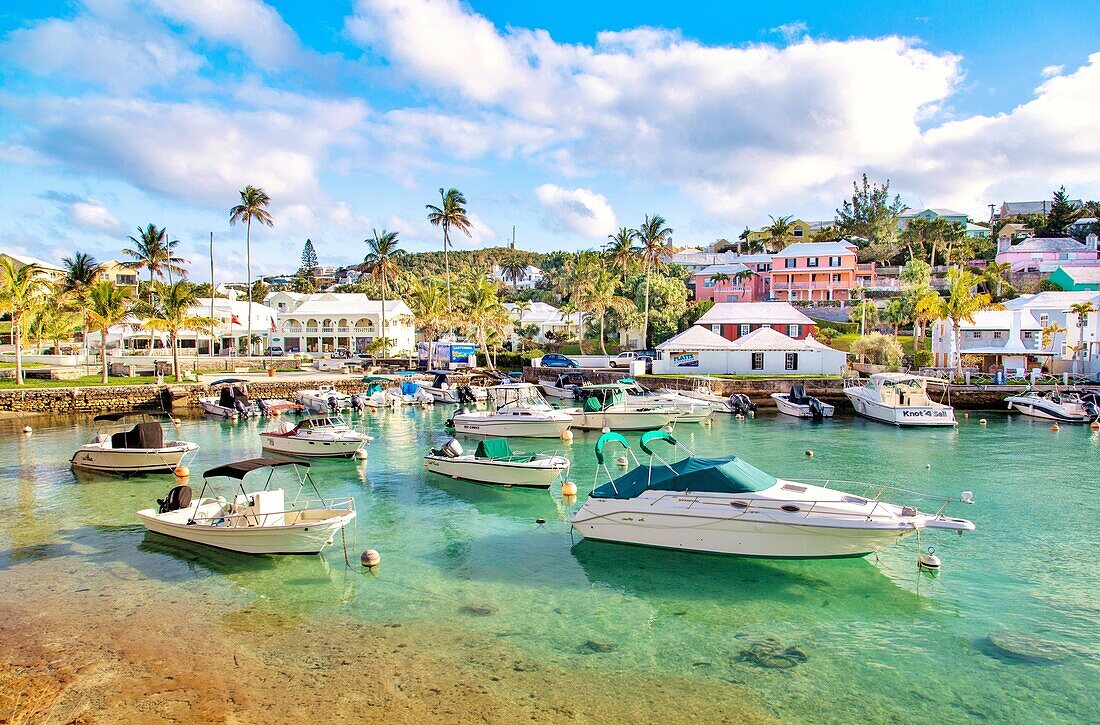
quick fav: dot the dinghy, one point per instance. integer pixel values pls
(319, 436)
(496, 464)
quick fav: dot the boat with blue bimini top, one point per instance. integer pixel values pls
(123, 447)
(728, 506)
(495, 463)
(252, 522)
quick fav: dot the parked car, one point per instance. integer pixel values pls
(340, 353)
(557, 360)
(274, 351)
(624, 359)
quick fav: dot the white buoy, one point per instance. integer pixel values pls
(176, 421)
(569, 489)
(605, 429)
(928, 466)
(621, 462)
(1055, 428)
(966, 415)
(929, 561)
(182, 472)
(360, 454)
(983, 421)
(567, 435)
(27, 429)
(740, 417)
(370, 558)
(810, 454)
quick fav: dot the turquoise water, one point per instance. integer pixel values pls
(881, 642)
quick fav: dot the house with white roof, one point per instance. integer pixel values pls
(527, 279)
(551, 322)
(324, 321)
(1045, 254)
(764, 351)
(51, 272)
(994, 340)
(1074, 343)
(734, 320)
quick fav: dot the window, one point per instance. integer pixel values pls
(797, 232)
(716, 329)
(758, 361)
(974, 334)
(811, 261)
(790, 263)
(1044, 319)
(998, 334)
(794, 330)
(836, 277)
(761, 267)
(1029, 334)
(792, 361)
(745, 329)
(834, 261)
(708, 282)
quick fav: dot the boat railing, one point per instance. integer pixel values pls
(232, 512)
(748, 503)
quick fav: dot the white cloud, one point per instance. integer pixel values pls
(791, 31)
(1051, 70)
(94, 216)
(253, 26)
(578, 211)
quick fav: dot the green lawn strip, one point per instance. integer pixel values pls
(88, 381)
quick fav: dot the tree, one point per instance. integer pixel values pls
(719, 277)
(655, 236)
(81, 271)
(483, 312)
(995, 277)
(1082, 310)
(1062, 213)
(108, 305)
(153, 251)
(253, 206)
(960, 305)
(879, 349)
(22, 288)
(450, 213)
(1046, 337)
(603, 296)
(429, 307)
(926, 238)
(896, 313)
(865, 312)
(574, 285)
(382, 251)
(871, 215)
(514, 269)
(306, 280)
(172, 314)
(621, 251)
(780, 233)
(916, 275)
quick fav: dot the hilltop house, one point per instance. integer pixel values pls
(1044, 254)
(800, 230)
(324, 321)
(551, 322)
(1077, 279)
(972, 230)
(734, 320)
(122, 274)
(818, 271)
(1016, 208)
(748, 280)
(50, 272)
(528, 279)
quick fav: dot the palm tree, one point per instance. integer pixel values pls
(59, 324)
(602, 296)
(253, 205)
(780, 232)
(1082, 310)
(995, 276)
(743, 238)
(655, 237)
(381, 265)
(153, 251)
(429, 307)
(719, 277)
(108, 305)
(81, 271)
(1046, 337)
(22, 288)
(621, 250)
(960, 305)
(513, 270)
(172, 314)
(896, 313)
(483, 311)
(450, 213)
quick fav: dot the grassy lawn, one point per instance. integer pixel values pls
(26, 365)
(83, 382)
(844, 342)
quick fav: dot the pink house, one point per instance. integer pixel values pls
(818, 271)
(747, 280)
(1036, 253)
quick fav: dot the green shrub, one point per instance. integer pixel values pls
(922, 359)
(1047, 286)
(878, 349)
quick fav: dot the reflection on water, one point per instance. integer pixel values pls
(836, 640)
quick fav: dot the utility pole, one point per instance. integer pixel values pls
(513, 237)
(213, 331)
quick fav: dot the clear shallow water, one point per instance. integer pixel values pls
(881, 642)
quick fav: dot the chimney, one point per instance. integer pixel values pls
(1004, 243)
(1090, 242)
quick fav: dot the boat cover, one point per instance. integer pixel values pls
(410, 388)
(142, 435)
(497, 449)
(729, 474)
(228, 397)
(606, 438)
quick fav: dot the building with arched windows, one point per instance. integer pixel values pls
(323, 322)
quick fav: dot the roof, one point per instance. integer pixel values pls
(1001, 320)
(817, 249)
(972, 227)
(28, 260)
(545, 314)
(938, 211)
(767, 338)
(1031, 207)
(344, 304)
(1049, 300)
(1082, 275)
(696, 337)
(730, 269)
(240, 469)
(1048, 244)
(712, 475)
(746, 313)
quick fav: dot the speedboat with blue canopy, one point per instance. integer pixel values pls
(725, 505)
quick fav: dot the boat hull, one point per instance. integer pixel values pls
(524, 475)
(623, 420)
(212, 408)
(122, 461)
(799, 411)
(509, 427)
(910, 416)
(306, 538)
(1045, 411)
(553, 391)
(306, 448)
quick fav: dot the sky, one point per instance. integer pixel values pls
(562, 120)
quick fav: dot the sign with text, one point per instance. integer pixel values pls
(685, 359)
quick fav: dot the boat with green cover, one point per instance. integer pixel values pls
(494, 462)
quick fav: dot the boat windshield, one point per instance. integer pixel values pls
(517, 396)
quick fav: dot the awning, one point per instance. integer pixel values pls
(240, 469)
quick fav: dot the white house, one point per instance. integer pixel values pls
(764, 351)
(324, 321)
(549, 320)
(1053, 308)
(527, 279)
(994, 340)
(49, 271)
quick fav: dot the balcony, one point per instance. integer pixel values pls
(782, 286)
(292, 329)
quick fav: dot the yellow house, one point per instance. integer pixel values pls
(121, 274)
(51, 272)
(801, 231)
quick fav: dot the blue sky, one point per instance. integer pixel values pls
(563, 119)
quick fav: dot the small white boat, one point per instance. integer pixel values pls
(495, 463)
(442, 390)
(120, 449)
(900, 399)
(727, 506)
(564, 386)
(258, 522)
(800, 405)
(516, 410)
(689, 410)
(325, 398)
(1065, 406)
(604, 406)
(737, 403)
(316, 437)
(229, 399)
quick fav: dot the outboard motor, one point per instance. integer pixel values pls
(817, 410)
(178, 498)
(450, 422)
(1093, 410)
(332, 406)
(741, 404)
(240, 407)
(262, 407)
(451, 449)
(356, 403)
(466, 395)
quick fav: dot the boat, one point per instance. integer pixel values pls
(604, 406)
(1065, 406)
(800, 405)
(325, 398)
(120, 449)
(257, 522)
(900, 399)
(319, 436)
(229, 399)
(494, 462)
(727, 506)
(736, 404)
(442, 390)
(516, 410)
(690, 410)
(564, 386)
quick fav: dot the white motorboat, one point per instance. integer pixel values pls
(120, 449)
(690, 410)
(1065, 406)
(604, 406)
(516, 410)
(727, 506)
(325, 398)
(900, 399)
(442, 390)
(800, 405)
(229, 399)
(316, 437)
(738, 403)
(260, 522)
(495, 463)
(564, 386)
